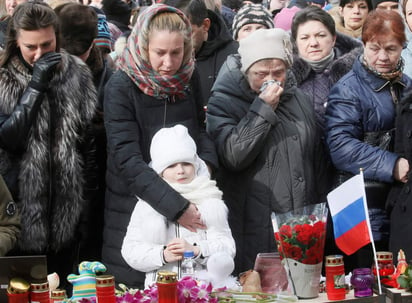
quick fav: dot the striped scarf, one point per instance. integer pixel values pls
(135, 63)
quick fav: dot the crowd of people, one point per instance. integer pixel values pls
(132, 132)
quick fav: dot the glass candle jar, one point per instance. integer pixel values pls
(385, 264)
(167, 287)
(58, 296)
(335, 277)
(39, 292)
(362, 281)
(105, 289)
(18, 291)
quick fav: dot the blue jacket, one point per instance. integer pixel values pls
(361, 102)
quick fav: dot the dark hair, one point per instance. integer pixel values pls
(342, 3)
(381, 23)
(78, 27)
(118, 12)
(234, 5)
(28, 16)
(312, 13)
(195, 10)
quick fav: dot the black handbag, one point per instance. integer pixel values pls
(376, 191)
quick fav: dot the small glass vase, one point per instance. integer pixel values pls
(362, 280)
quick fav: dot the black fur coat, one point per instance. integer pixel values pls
(48, 176)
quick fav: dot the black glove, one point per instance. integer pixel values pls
(43, 70)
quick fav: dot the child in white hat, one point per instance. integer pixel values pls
(153, 243)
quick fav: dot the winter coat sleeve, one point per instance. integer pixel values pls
(240, 131)
(400, 192)
(345, 132)
(206, 147)
(9, 220)
(123, 143)
(14, 128)
(138, 251)
(87, 148)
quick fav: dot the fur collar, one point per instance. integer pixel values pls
(63, 115)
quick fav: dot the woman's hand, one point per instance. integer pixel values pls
(401, 170)
(43, 70)
(191, 219)
(271, 95)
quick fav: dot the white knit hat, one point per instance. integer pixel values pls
(173, 145)
(262, 44)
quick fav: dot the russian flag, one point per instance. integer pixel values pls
(349, 211)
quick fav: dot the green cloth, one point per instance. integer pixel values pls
(9, 219)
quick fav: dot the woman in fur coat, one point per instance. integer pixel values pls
(47, 99)
(153, 242)
(350, 15)
(322, 56)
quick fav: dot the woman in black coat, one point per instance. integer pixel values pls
(400, 197)
(154, 88)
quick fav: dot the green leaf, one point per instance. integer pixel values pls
(403, 282)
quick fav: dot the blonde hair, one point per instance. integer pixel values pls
(166, 21)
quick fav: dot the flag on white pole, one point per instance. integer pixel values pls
(349, 211)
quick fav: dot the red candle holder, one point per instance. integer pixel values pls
(18, 298)
(105, 289)
(335, 277)
(385, 264)
(39, 292)
(167, 287)
(57, 296)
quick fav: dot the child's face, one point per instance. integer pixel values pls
(181, 172)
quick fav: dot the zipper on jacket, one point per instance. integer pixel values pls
(165, 113)
(166, 100)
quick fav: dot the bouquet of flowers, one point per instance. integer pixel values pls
(300, 236)
(189, 291)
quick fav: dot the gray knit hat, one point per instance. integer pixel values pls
(265, 44)
(251, 13)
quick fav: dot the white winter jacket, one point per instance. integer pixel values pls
(148, 231)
